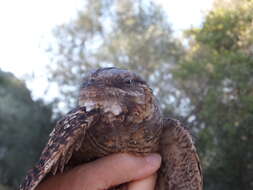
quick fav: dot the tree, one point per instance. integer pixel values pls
(24, 127)
(216, 76)
(127, 34)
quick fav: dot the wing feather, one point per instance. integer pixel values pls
(66, 137)
(181, 165)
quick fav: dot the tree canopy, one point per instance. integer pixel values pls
(24, 127)
(217, 76)
(127, 34)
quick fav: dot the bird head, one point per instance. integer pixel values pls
(131, 118)
(116, 91)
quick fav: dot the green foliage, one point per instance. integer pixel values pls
(127, 34)
(24, 127)
(217, 77)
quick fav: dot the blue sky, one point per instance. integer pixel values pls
(26, 30)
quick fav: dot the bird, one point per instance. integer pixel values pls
(117, 112)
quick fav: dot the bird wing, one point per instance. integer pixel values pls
(66, 137)
(181, 165)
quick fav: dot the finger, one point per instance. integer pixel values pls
(104, 173)
(147, 183)
(117, 169)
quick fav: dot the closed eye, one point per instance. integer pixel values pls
(128, 81)
(134, 81)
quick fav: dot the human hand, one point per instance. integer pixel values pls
(107, 172)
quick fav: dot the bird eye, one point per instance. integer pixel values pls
(128, 81)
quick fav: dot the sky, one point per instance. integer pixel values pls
(26, 30)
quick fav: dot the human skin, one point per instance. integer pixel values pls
(139, 172)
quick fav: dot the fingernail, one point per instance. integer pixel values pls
(153, 159)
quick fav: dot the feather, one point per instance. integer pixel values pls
(60, 146)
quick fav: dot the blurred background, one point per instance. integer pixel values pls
(197, 56)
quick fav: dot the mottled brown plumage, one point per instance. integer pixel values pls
(118, 112)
